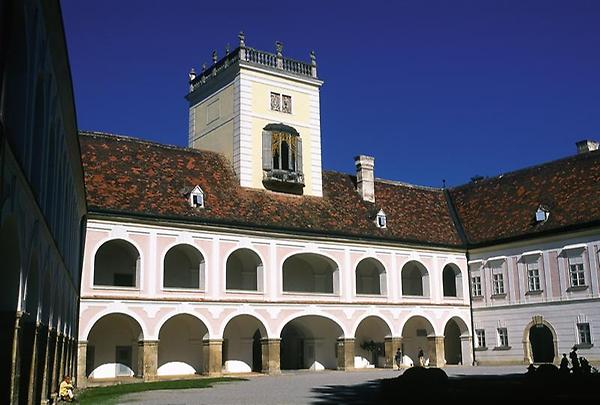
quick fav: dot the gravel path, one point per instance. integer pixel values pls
(300, 387)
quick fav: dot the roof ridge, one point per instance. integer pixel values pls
(528, 168)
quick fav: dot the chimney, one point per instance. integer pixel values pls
(587, 145)
(365, 178)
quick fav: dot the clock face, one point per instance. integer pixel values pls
(287, 104)
(275, 102)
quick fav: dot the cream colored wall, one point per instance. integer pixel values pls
(216, 135)
(262, 115)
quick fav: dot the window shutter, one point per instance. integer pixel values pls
(299, 155)
(267, 157)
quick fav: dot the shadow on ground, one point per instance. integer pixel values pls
(433, 384)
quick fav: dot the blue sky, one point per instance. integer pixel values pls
(433, 89)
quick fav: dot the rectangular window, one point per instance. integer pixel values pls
(498, 283)
(480, 335)
(585, 337)
(533, 276)
(476, 286)
(286, 104)
(502, 337)
(275, 101)
(576, 271)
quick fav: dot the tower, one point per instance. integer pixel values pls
(260, 110)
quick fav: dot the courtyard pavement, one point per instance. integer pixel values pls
(297, 387)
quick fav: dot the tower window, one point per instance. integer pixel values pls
(282, 158)
(281, 102)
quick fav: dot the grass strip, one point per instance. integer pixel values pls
(109, 395)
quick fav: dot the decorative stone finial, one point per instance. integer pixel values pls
(279, 47)
(192, 75)
(203, 67)
(313, 58)
(242, 38)
(227, 50)
(214, 57)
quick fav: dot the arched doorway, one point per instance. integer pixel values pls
(309, 342)
(452, 343)
(242, 349)
(112, 349)
(180, 345)
(414, 338)
(369, 342)
(542, 344)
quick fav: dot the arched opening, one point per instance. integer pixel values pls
(542, 343)
(452, 281)
(180, 345)
(244, 271)
(414, 338)
(415, 279)
(183, 268)
(28, 346)
(11, 274)
(309, 342)
(242, 349)
(370, 277)
(112, 349)
(117, 264)
(452, 343)
(369, 342)
(310, 273)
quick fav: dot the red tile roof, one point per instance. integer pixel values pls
(503, 207)
(134, 177)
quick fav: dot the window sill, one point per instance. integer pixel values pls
(534, 292)
(499, 296)
(584, 345)
(254, 292)
(577, 288)
(481, 349)
(477, 298)
(501, 348)
(115, 287)
(183, 289)
(419, 297)
(361, 295)
(311, 294)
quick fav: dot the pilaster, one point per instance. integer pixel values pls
(212, 351)
(45, 377)
(271, 355)
(33, 367)
(466, 345)
(345, 354)
(14, 368)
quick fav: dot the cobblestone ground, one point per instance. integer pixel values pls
(303, 387)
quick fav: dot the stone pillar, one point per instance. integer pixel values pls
(56, 366)
(392, 344)
(150, 359)
(81, 378)
(271, 355)
(435, 351)
(212, 353)
(466, 347)
(15, 366)
(345, 354)
(33, 368)
(46, 377)
(62, 355)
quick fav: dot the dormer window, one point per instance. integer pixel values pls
(282, 159)
(542, 214)
(197, 197)
(381, 219)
